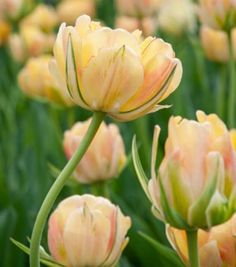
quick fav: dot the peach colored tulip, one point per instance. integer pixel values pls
(217, 247)
(216, 45)
(114, 71)
(105, 157)
(138, 8)
(216, 13)
(43, 16)
(36, 81)
(30, 41)
(69, 10)
(87, 231)
(196, 182)
(177, 16)
(147, 24)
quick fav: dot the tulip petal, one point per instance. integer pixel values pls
(210, 255)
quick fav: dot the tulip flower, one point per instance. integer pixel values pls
(4, 31)
(217, 247)
(196, 182)
(114, 71)
(87, 231)
(36, 81)
(177, 16)
(69, 10)
(43, 17)
(216, 45)
(105, 157)
(138, 8)
(218, 14)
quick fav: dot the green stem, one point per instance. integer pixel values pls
(220, 104)
(231, 103)
(57, 187)
(193, 248)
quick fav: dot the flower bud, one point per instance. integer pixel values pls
(196, 182)
(146, 24)
(43, 16)
(218, 14)
(217, 247)
(36, 81)
(114, 71)
(4, 31)
(216, 44)
(177, 16)
(105, 157)
(69, 10)
(138, 8)
(87, 231)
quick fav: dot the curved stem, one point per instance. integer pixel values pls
(57, 187)
(232, 89)
(192, 248)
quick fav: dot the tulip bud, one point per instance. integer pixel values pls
(87, 231)
(146, 24)
(218, 14)
(216, 44)
(69, 10)
(105, 157)
(217, 247)
(36, 81)
(138, 8)
(113, 71)
(177, 16)
(196, 182)
(4, 31)
(43, 17)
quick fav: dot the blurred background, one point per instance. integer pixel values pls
(32, 124)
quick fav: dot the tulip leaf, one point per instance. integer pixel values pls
(44, 257)
(138, 168)
(165, 252)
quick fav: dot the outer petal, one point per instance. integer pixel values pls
(210, 255)
(111, 78)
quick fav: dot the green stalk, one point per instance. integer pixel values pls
(220, 104)
(192, 248)
(57, 187)
(231, 103)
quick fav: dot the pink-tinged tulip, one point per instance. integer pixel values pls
(114, 71)
(87, 231)
(147, 24)
(36, 81)
(216, 43)
(177, 16)
(105, 157)
(69, 10)
(30, 42)
(138, 8)
(217, 247)
(218, 14)
(196, 182)
(43, 16)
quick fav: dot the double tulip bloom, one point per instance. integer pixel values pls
(105, 156)
(87, 231)
(217, 247)
(195, 185)
(114, 71)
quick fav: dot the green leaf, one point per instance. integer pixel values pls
(166, 253)
(139, 169)
(44, 258)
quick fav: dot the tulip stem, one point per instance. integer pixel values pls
(232, 89)
(192, 248)
(57, 187)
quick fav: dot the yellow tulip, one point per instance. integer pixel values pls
(5, 30)
(233, 138)
(196, 182)
(87, 231)
(218, 14)
(105, 157)
(69, 10)
(114, 71)
(217, 247)
(36, 81)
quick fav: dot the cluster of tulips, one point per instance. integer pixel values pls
(125, 74)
